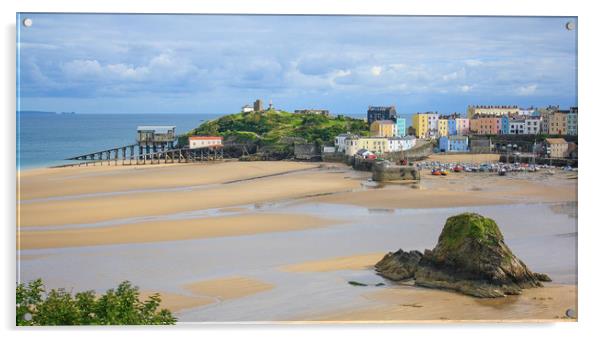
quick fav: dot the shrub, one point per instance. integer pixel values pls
(121, 306)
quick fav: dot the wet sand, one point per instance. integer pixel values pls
(465, 189)
(48, 182)
(178, 302)
(169, 230)
(355, 262)
(208, 292)
(228, 288)
(262, 190)
(408, 303)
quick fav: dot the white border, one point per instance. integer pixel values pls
(589, 233)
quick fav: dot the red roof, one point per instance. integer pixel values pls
(194, 137)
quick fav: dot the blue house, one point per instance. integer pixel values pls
(453, 143)
(451, 127)
(505, 125)
(401, 127)
(443, 144)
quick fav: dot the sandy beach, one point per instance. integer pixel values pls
(256, 241)
(409, 303)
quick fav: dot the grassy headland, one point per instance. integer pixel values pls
(278, 130)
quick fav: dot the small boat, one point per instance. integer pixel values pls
(458, 168)
(436, 171)
(501, 172)
(444, 172)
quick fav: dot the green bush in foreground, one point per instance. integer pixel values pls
(120, 306)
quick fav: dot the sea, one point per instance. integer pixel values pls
(47, 139)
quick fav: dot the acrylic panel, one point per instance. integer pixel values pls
(275, 168)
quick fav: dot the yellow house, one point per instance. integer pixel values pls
(375, 145)
(420, 123)
(383, 128)
(442, 127)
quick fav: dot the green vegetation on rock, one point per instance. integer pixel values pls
(120, 306)
(273, 127)
(465, 226)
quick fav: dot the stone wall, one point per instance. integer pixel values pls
(385, 171)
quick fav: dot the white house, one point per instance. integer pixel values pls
(401, 143)
(532, 125)
(339, 141)
(195, 142)
(517, 126)
(247, 109)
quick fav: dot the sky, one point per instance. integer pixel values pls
(108, 63)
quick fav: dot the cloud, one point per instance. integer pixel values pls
(465, 88)
(361, 60)
(473, 62)
(527, 90)
(376, 70)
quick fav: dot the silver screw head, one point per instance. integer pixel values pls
(570, 25)
(27, 22)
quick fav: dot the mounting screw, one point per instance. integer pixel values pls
(570, 25)
(27, 22)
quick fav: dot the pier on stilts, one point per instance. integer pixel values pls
(155, 145)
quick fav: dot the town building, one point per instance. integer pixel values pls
(339, 141)
(558, 122)
(453, 143)
(313, 111)
(196, 142)
(399, 144)
(381, 113)
(545, 118)
(480, 145)
(246, 109)
(485, 124)
(258, 105)
(491, 110)
(156, 137)
(517, 125)
(373, 144)
(383, 128)
(442, 127)
(532, 124)
(462, 126)
(505, 124)
(571, 121)
(556, 147)
(526, 111)
(401, 127)
(426, 124)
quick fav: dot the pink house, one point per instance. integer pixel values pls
(462, 126)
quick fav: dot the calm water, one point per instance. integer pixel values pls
(45, 140)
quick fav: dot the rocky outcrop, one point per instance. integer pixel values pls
(470, 257)
(398, 266)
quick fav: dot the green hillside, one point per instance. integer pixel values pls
(274, 127)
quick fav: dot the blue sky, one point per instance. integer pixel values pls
(215, 64)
